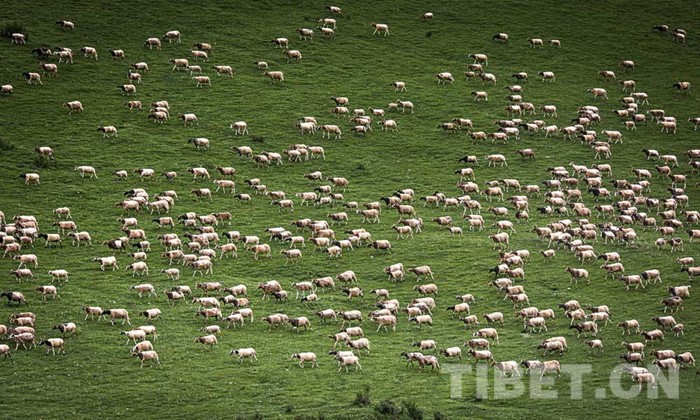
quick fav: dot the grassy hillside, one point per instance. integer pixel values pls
(97, 377)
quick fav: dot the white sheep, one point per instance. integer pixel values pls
(173, 36)
(274, 76)
(380, 28)
(239, 127)
(245, 353)
(107, 131)
(305, 357)
(224, 70)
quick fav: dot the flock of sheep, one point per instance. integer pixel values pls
(201, 245)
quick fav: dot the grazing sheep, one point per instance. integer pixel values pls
(274, 76)
(305, 357)
(239, 127)
(547, 76)
(501, 37)
(220, 69)
(304, 34)
(147, 355)
(18, 38)
(683, 87)
(481, 355)
(173, 36)
(53, 344)
(292, 55)
(399, 86)
(627, 64)
(445, 77)
(380, 28)
(113, 314)
(244, 353)
(202, 80)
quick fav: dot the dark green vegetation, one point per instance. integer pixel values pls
(97, 377)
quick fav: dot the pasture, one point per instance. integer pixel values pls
(97, 376)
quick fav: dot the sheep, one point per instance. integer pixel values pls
(664, 321)
(399, 86)
(152, 42)
(380, 28)
(630, 280)
(280, 42)
(188, 118)
(667, 364)
(353, 292)
(404, 105)
(547, 76)
(653, 335)
(680, 291)
(22, 273)
(686, 358)
(445, 77)
(53, 344)
(292, 55)
(496, 158)
(144, 288)
(634, 347)
(173, 36)
(76, 106)
(598, 92)
(86, 170)
(159, 117)
(384, 321)
(358, 344)
(678, 37)
(113, 314)
(551, 346)
(145, 355)
(179, 63)
(349, 361)
(480, 59)
(154, 313)
(480, 95)
(128, 89)
(48, 290)
(228, 70)
(50, 68)
(633, 357)
(481, 355)
(60, 275)
(18, 38)
(89, 52)
(683, 87)
(628, 325)
(612, 268)
(426, 289)
(381, 244)
(500, 239)
(209, 339)
(505, 367)
(305, 357)
(141, 346)
(627, 64)
(304, 34)
(202, 80)
(195, 69)
(66, 328)
(30, 178)
(577, 273)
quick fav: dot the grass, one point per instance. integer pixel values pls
(192, 381)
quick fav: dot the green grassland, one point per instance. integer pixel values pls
(97, 378)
